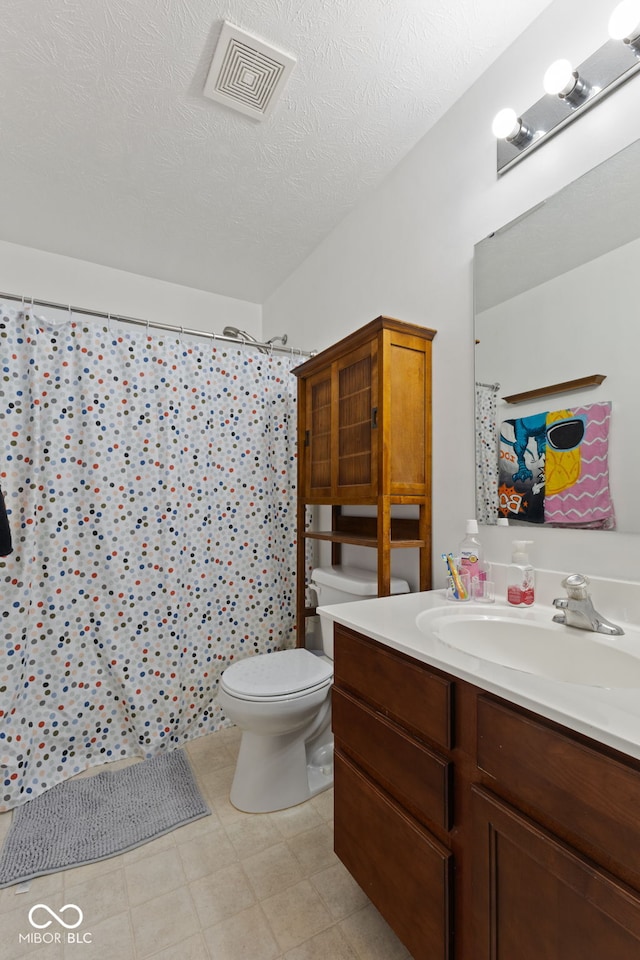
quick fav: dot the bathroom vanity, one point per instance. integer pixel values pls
(487, 813)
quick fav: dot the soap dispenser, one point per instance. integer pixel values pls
(520, 576)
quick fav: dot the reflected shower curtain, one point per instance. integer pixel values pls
(150, 486)
(486, 453)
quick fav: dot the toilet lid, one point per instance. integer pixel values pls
(277, 674)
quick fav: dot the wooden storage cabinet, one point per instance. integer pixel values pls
(364, 438)
(525, 834)
(393, 789)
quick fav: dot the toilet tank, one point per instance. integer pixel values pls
(342, 585)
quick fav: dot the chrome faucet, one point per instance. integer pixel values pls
(576, 609)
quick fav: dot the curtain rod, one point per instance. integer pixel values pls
(154, 325)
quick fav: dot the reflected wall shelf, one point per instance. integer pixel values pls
(567, 387)
(364, 439)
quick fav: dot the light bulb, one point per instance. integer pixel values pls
(559, 79)
(624, 22)
(505, 124)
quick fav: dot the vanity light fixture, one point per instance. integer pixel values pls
(570, 92)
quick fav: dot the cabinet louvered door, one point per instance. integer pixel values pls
(318, 435)
(356, 432)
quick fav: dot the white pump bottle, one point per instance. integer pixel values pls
(520, 576)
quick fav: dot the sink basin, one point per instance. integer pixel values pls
(534, 645)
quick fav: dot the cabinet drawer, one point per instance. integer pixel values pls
(412, 773)
(402, 689)
(405, 872)
(587, 796)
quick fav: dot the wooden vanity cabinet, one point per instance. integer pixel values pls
(364, 439)
(480, 830)
(393, 789)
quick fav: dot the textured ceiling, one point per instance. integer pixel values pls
(111, 153)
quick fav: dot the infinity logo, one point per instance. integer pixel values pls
(56, 916)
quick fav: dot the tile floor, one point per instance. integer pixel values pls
(231, 886)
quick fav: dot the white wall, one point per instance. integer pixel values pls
(29, 272)
(407, 251)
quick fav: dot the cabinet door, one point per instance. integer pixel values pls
(317, 440)
(403, 869)
(405, 389)
(535, 897)
(356, 426)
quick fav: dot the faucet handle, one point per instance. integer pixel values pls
(576, 586)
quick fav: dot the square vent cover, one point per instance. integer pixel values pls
(247, 74)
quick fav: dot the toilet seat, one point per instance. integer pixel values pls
(285, 675)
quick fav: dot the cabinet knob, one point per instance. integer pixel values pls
(374, 418)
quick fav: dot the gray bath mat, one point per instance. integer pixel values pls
(97, 817)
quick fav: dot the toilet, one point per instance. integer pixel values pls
(282, 703)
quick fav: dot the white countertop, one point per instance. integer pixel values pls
(610, 716)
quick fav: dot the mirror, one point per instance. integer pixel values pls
(556, 296)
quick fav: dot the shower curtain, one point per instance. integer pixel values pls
(150, 488)
(486, 453)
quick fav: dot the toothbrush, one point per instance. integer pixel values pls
(451, 577)
(458, 587)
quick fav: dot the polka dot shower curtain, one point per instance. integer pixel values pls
(150, 488)
(486, 453)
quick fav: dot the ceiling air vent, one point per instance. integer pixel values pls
(247, 74)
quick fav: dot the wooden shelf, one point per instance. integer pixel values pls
(567, 387)
(363, 532)
(360, 540)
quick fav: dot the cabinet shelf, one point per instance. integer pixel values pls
(361, 540)
(363, 532)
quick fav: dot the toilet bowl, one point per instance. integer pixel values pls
(282, 703)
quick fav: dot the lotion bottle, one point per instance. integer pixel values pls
(520, 576)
